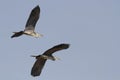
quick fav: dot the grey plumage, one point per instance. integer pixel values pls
(41, 59)
(33, 18)
(30, 25)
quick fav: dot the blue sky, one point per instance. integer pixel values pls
(92, 27)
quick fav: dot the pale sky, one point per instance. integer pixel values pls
(91, 27)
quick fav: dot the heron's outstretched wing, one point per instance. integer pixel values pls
(17, 34)
(56, 48)
(37, 67)
(33, 18)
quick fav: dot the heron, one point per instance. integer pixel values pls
(41, 59)
(30, 25)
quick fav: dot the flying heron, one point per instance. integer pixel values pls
(30, 25)
(41, 59)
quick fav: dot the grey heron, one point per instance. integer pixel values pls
(30, 25)
(41, 59)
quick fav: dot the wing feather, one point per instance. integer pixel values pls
(17, 34)
(56, 48)
(37, 67)
(33, 18)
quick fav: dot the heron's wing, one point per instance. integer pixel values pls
(37, 67)
(33, 18)
(17, 34)
(56, 48)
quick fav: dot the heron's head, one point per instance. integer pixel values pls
(37, 35)
(56, 58)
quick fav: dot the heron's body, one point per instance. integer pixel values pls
(32, 33)
(45, 57)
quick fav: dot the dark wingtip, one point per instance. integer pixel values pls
(12, 36)
(66, 45)
(63, 45)
(17, 34)
(34, 74)
(37, 7)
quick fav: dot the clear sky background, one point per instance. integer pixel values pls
(92, 27)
